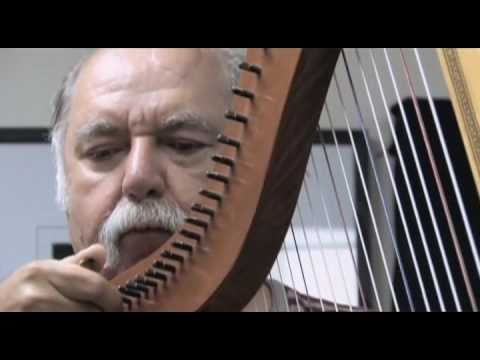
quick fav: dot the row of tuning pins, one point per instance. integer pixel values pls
(145, 287)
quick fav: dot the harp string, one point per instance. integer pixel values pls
(445, 206)
(267, 308)
(394, 185)
(284, 291)
(274, 307)
(321, 248)
(302, 214)
(314, 271)
(352, 204)
(354, 211)
(299, 259)
(332, 235)
(394, 188)
(421, 177)
(292, 278)
(453, 178)
(437, 181)
(441, 192)
(367, 197)
(335, 248)
(375, 171)
(306, 191)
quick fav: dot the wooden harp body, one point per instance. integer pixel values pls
(238, 224)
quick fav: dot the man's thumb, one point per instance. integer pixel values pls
(92, 258)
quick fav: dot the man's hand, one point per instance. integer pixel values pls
(61, 286)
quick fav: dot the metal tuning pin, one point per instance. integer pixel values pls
(218, 177)
(146, 282)
(251, 68)
(212, 195)
(128, 302)
(243, 93)
(134, 286)
(183, 246)
(153, 274)
(203, 209)
(232, 115)
(223, 139)
(174, 257)
(190, 234)
(223, 160)
(165, 266)
(197, 222)
(129, 292)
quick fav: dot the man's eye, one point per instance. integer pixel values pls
(102, 154)
(186, 147)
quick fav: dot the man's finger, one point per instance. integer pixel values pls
(53, 300)
(92, 258)
(84, 286)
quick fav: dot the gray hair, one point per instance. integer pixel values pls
(231, 58)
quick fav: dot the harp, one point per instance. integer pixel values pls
(406, 201)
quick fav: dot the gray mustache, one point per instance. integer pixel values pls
(128, 216)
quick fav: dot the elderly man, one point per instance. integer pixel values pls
(134, 131)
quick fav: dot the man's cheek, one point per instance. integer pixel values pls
(86, 218)
(183, 190)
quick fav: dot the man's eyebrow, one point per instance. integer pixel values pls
(178, 121)
(95, 129)
(188, 120)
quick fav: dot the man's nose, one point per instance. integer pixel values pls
(143, 174)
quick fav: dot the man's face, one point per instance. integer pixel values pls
(142, 125)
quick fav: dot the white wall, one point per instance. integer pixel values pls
(29, 79)
(29, 218)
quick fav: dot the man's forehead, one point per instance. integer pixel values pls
(149, 85)
(123, 66)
